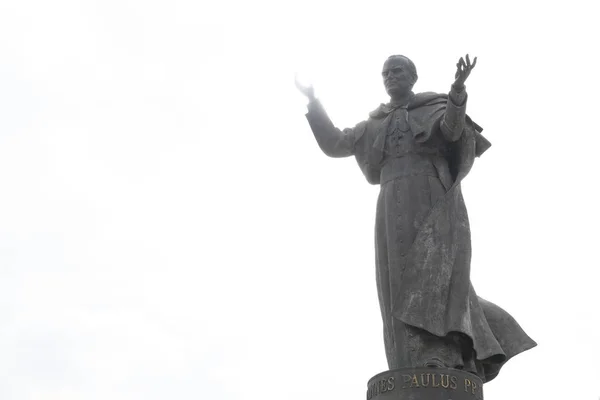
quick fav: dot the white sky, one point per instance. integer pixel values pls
(170, 229)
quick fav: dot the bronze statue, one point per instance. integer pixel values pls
(418, 148)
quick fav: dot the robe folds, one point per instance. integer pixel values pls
(426, 284)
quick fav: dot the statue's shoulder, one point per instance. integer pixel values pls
(380, 112)
(428, 99)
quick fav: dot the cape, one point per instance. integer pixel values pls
(426, 111)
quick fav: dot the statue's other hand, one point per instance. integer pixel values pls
(306, 90)
(463, 70)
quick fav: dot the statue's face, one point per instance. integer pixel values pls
(397, 78)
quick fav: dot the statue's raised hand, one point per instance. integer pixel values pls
(463, 70)
(306, 90)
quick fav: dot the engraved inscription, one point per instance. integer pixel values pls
(453, 382)
(381, 386)
(424, 380)
(473, 388)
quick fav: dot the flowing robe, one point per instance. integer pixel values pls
(419, 153)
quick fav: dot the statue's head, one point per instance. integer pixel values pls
(399, 75)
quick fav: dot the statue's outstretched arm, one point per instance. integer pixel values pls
(453, 122)
(333, 141)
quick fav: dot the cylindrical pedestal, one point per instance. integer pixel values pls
(425, 384)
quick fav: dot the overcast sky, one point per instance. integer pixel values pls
(170, 229)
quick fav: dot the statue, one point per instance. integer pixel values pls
(418, 148)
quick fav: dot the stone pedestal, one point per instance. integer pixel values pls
(425, 384)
